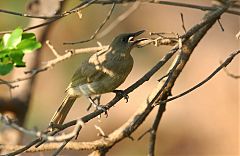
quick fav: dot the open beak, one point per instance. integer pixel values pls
(133, 35)
(137, 33)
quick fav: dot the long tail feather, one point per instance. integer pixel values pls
(61, 113)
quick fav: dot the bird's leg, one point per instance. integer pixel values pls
(98, 106)
(96, 100)
(122, 93)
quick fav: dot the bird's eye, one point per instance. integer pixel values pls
(124, 39)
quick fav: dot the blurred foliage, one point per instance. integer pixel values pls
(9, 22)
(13, 47)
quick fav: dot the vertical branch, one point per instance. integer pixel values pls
(186, 51)
(18, 106)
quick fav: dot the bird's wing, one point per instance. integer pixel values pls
(86, 73)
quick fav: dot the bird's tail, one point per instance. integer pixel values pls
(61, 113)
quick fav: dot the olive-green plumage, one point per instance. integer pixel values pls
(103, 72)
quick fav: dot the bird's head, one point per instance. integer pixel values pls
(125, 42)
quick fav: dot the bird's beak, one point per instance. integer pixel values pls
(133, 35)
(137, 33)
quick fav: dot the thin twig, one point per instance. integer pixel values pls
(55, 61)
(29, 16)
(81, 6)
(50, 46)
(92, 115)
(146, 132)
(50, 64)
(188, 46)
(137, 118)
(231, 74)
(118, 20)
(220, 24)
(62, 146)
(224, 64)
(148, 75)
(7, 83)
(162, 107)
(193, 6)
(43, 135)
(178, 4)
(101, 132)
(98, 29)
(183, 25)
(166, 75)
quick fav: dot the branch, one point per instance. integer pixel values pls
(119, 19)
(92, 115)
(29, 16)
(160, 93)
(147, 107)
(53, 62)
(79, 7)
(231, 74)
(98, 29)
(186, 51)
(222, 66)
(72, 52)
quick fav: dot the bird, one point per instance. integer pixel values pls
(103, 72)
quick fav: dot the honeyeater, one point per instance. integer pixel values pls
(103, 72)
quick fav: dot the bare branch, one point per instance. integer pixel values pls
(98, 29)
(62, 147)
(183, 25)
(50, 64)
(8, 84)
(146, 108)
(187, 48)
(43, 135)
(220, 24)
(52, 49)
(119, 19)
(101, 132)
(29, 16)
(146, 132)
(81, 6)
(222, 66)
(53, 62)
(230, 74)
(178, 4)
(159, 95)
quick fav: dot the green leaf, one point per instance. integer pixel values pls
(3, 53)
(5, 39)
(14, 39)
(28, 46)
(5, 68)
(13, 48)
(1, 44)
(30, 36)
(17, 56)
(5, 60)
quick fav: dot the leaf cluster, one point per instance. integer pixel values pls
(13, 47)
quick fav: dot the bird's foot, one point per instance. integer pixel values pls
(53, 126)
(103, 108)
(122, 93)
